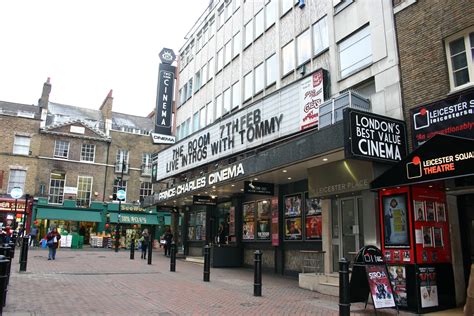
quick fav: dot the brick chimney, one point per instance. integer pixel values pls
(106, 110)
(43, 102)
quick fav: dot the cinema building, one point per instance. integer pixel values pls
(269, 94)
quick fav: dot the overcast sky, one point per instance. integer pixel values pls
(88, 47)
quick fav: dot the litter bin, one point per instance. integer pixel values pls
(4, 262)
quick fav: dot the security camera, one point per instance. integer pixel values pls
(251, 185)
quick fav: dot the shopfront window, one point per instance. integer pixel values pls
(197, 225)
(257, 218)
(225, 223)
(293, 209)
(56, 187)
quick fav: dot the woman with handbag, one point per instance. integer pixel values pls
(53, 238)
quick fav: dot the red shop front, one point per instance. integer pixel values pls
(12, 212)
(414, 222)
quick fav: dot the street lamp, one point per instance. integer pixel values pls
(25, 239)
(121, 194)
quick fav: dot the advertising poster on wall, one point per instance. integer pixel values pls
(419, 208)
(399, 284)
(313, 205)
(293, 205)
(428, 287)
(248, 221)
(395, 217)
(263, 219)
(293, 228)
(430, 211)
(232, 221)
(311, 97)
(275, 232)
(314, 227)
(440, 212)
(380, 287)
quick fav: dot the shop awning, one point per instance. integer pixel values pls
(127, 218)
(69, 215)
(442, 157)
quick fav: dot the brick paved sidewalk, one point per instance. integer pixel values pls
(91, 282)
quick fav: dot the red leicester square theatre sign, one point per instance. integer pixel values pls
(441, 157)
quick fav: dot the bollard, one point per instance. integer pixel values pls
(132, 249)
(257, 286)
(150, 249)
(12, 246)
(6, 251)
(173, 257)
(24, 254)
(3, 282)
(344, 289)
(207, 263)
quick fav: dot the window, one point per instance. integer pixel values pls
(248, 85)
(303, 47)
(259, 78)
(236, 44)
(178, 131)
(218, 106)
(21, 145)
(227, 101)
(121, 161)
(17, 179)
(220, 59)
(259, 23)
(248, 33)
(204, 75)
(220, 16)
(198, 42)
(56, 187)
(270, 13)
(211, 71)
(119, 184)
(288, 56)
(146, 164)
(461, 60)
(236, 95)
(205, 34)
(87, 152)
(61, 149)
(84, 190)
(286, 6)
(197, 81)
(202, 117)
(182, 94)
(196, 122)
(190, 88)
(340, 5)
(355, 52)
(320, 36)
(228, 52)
(146, 189)
(209, 113)
(212, 27)
(271, 69)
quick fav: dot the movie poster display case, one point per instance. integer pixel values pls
(416, 246)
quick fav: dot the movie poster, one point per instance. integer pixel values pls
(248, 221)
(399, 284)
(428, 287)
(379, 285)
(314, 227)
(395, 217)
(293, 205)
(263, 219)
(293, 228)
(313, 205)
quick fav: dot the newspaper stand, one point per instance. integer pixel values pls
(370, 276)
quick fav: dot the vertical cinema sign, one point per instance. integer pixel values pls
(164, 99)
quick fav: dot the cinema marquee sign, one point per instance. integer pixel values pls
(373, 137)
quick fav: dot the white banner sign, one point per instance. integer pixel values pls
(311, 97)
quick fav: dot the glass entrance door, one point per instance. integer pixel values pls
(346, 214)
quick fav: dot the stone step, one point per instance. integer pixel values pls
(195, 259)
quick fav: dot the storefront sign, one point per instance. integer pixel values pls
(452, 116)
(441, 157)
(132, 208)
(133, 219)
(9, 205)
(311, 97)
(263, 122)
(166, 77)
(229, 173)
(262, 188)
(204, 200)
(339, 177)
(70, 190)
(374, 137)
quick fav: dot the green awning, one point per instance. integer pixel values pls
(128, 218)
(69, 215)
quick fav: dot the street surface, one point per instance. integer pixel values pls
(102, 282)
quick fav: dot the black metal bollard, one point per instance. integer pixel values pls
(150, 249)
(132, 249)
(3, 281)
(344, 289)
(257, 285)
(173, 257)
(5, 250)
(12, 246)
(207, 263)
(24, 254)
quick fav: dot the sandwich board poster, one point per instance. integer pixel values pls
(380, 287)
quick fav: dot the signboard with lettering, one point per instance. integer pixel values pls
(262, 122)
(164, 103)
(452, 116)
(261, 188)
(204, 200)
(441, 157)
(10, 205)
(311, 97)
(373, 137)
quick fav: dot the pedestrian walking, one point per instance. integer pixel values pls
(144, 242)
(168, 237)
(52, 240)
(33, 236)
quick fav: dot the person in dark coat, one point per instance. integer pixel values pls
(144, 242)
(52, 239)
(168, 237)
